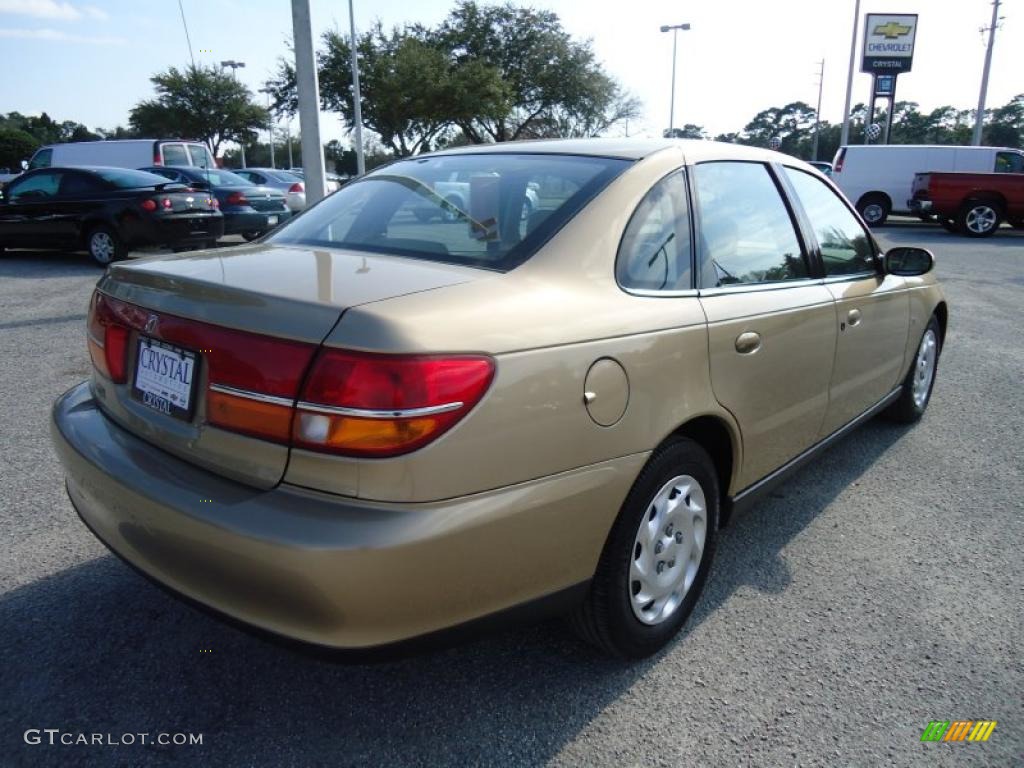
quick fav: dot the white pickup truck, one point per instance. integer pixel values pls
(455, 192)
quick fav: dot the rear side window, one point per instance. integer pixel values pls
(486, 210)
(126, 178)
(654, 254)
(79, 185)
(746, 233)
(845, 246)
(174, 154)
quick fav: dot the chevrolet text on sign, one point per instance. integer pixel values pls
(889, 42)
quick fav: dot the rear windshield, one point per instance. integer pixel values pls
(126, 178)
(217, 178)
(486, 210)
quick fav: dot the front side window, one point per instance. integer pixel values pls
(1009, 162)
(845, 246)
(37, 188)
(746, 233)
(654, 254)
(174, 154)
(486, 210)
(41, 159)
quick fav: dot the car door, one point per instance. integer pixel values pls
(27, 218)
(872, 308)
(771, 322)
(79, 196)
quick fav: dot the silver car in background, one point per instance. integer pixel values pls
(292, 185)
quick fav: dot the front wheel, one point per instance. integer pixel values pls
(979, 218)
(916, 390)
(105, 246)
(657, 556)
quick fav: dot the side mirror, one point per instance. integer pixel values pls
(24, 165)
(908, 261)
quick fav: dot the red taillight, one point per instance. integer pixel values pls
(360, 404)
(157, 160)
(148, 205)
(213, 202)
(837, 166)
(237, 198)
(167, 204)
(296, 187)
(108, 340)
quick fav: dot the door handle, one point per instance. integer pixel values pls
(748, 343)
(853, 317)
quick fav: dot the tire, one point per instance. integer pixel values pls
(615, 616)
(949, 225)
(979, 218)
(916, 390)
(105, 245)
(250, 236)
(874, 209)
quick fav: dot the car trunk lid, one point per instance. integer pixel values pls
(239, 329)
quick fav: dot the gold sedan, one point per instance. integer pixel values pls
(530, 375)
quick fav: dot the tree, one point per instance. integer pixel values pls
(553, 85)
(688, 131)
(202, 103)
(1005, 127)
(15, 145)
(791, 123)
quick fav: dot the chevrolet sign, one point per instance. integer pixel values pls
(888, 43)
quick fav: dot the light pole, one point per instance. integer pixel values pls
(817, 112)
(270, 125)
(309, 102)
(356, 98)
(845, 132)
(235, 66)
(674, 28)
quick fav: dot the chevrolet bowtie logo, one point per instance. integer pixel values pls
(891, 30)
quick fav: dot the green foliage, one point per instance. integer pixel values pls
(688, 131)
(15, 145)
(202, 103)
(45, 130)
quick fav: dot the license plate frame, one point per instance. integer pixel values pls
(161, 392)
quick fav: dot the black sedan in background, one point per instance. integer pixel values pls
(105, 210)
(249, 210)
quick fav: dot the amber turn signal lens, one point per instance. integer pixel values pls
(365, 437)
(269, 421)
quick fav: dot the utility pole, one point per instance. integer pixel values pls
(817, 112)
(309, 102)
(674, 29)
(845, 135)
(357, 106)
(979, 120)
(235, 66)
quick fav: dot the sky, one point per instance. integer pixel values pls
(90, 60)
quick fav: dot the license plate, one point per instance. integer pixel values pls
(165, 378)
(271, 221)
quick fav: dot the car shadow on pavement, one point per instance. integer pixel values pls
(96, 648)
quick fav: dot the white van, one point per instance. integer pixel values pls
(124, 153)
(877, 178)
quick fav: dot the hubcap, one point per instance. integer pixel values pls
(101, 246)
(872, 213)
(667, 550)
(981, 219)
(924, 368)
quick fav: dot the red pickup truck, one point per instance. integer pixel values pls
(974, 204)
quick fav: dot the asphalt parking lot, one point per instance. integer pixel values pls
(880, 589)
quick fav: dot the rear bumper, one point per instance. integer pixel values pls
(174, 229)
(255, 221)
(330, 570)
(919, 206)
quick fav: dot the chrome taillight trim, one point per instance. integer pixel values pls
(363, 413)
(257, 396)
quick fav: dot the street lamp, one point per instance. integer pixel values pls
(270, 124)
(235, 66)
(674, 29)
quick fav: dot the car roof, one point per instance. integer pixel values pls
(694, 150)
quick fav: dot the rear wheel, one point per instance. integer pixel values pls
(657, 556)
(104, 245)
(874, 209)
(916, 390)
(979, 218)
